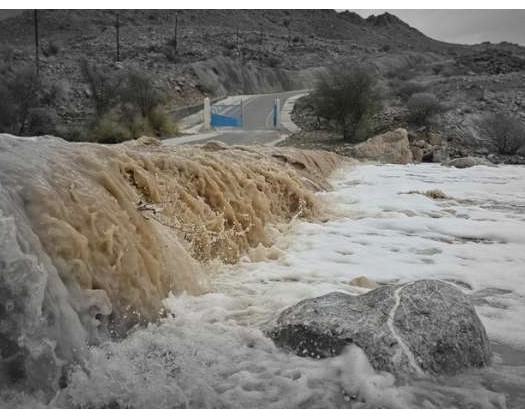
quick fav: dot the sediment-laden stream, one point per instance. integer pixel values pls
(94, 238)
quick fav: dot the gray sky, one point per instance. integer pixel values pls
(464, 26)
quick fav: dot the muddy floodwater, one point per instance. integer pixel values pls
(211, 349)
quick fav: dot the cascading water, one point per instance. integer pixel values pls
(95, 237)
(249, 206)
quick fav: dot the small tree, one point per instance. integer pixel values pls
(28, 102)
(138, 90)
(19, 92)
(507, 133)
(128, 106)
(349, 97)
(104, 86)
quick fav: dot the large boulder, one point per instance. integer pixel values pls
(422, 326)
(390, 147)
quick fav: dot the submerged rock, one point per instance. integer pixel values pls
(363, 282)
(464, 162)
(422, 326)
(390, 147)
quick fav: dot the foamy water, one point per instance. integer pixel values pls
(211, 351)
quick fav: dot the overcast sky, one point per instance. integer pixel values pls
(464, 26)
(459, 26)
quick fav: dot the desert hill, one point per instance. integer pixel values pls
(220, 52)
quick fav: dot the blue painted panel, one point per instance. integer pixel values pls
(225, 121)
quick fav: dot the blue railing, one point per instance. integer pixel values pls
(226, 115)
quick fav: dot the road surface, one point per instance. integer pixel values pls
(258, 123)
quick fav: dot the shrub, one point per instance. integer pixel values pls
(127, 104)
(271, 61)
(405, 89)
(348, 96)
(75, 134)
(405, 72)
(423, 107)
(20, 92)
(171, 55)
(160, 123)
(104, 87)
(109, 130)
(140, 126)
(507, 133)
(50, 49)
(138, 90)
(42, 120)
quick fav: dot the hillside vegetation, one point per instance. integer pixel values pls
(186, 55)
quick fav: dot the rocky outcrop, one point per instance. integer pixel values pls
(506, 159)
(426, 145)
(422, 326)
(464, 162)
(390, 147)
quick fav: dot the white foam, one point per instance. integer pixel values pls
(212, 352)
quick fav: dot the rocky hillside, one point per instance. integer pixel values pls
(467, 101)
(217, 52)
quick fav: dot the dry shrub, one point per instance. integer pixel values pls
(507, 132)
(423, 108)
(109, 129)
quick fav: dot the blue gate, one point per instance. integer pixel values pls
(226, 115)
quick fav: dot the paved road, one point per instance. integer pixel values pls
(258, 123)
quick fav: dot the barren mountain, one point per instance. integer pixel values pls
(193, 53)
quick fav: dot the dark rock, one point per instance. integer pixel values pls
(428, 157)
(422, 326)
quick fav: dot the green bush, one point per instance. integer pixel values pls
(348, 96)
(160, 123)
(140, 126)
(110, 130)
(507, 132)
(128, 105)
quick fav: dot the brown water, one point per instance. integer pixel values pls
(104, 233)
